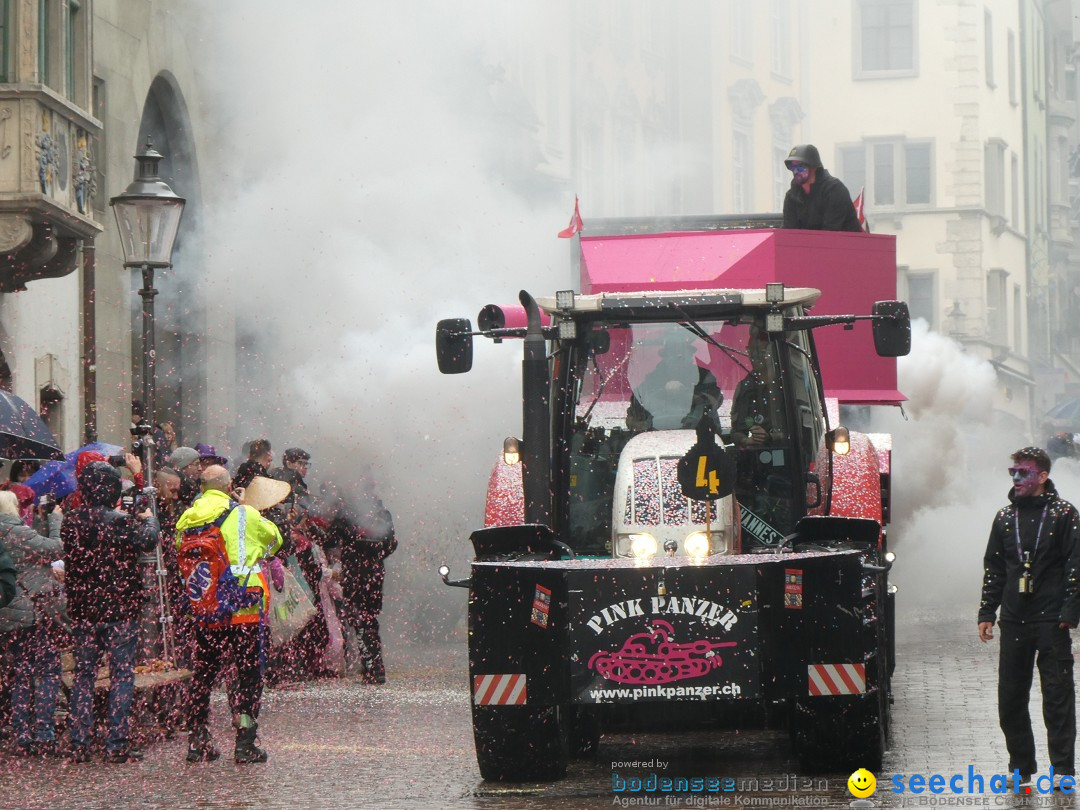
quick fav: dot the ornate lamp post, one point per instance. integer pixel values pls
(148, 217)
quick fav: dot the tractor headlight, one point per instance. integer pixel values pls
(697, 545)
(641, 545)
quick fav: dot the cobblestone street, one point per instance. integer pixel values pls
(408, 744)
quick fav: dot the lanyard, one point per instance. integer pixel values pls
(1038, 535)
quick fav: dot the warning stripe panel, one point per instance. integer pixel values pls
(837, 679)
(499, 690)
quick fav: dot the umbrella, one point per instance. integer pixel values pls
(1067, 411)
(22, 433)
(58, 477)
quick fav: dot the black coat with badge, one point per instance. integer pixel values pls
(1055, 562)
(827, 207)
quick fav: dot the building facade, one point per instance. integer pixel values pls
(85, 84)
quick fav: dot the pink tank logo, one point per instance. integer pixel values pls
(651, 658)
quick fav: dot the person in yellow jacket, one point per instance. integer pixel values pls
(249, 540)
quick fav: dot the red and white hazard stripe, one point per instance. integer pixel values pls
(499, 690)
(837, 679)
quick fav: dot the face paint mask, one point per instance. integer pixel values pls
(800, 171)
(1025, 480)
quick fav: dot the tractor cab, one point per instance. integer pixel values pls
(634, 393)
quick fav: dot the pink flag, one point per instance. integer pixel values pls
(575, 223)
(859, 210)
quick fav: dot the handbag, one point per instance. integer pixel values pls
(290, 610)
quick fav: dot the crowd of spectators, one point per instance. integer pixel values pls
(79, 575)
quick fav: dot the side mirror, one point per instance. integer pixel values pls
(454, 345)
(892, 328)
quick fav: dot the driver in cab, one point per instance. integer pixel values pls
(677, 393)
(756, 415)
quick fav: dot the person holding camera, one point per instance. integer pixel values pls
(28, 625)
(101, 553)
(88, 457)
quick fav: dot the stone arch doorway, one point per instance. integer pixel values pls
(180, 318)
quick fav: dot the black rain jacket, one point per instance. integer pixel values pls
(1055, 565)
(7, 578)
(827, 207)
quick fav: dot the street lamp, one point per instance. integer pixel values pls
(148, 217)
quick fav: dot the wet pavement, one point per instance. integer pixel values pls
(408, 744)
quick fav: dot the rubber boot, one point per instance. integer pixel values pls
(374, 670)
(200, 745)
(246, 751)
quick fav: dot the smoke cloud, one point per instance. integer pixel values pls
(340, 227)
(949, 460)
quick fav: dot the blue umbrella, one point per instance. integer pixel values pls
(58, 477)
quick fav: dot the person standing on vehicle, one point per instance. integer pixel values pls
(1031, 570)
(104, 587)
(248, 539)
(816, 201)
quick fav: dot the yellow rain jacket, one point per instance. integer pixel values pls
(261, 539)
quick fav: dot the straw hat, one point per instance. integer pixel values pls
(262, 492)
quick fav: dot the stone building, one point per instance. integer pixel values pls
(84, 84)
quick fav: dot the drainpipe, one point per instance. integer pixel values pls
(89, 342)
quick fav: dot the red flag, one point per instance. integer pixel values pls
(859, 210)
(575, 223)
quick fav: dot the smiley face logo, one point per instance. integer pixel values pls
(862, 784)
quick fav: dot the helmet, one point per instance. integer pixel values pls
(805, 152)
(100, 484)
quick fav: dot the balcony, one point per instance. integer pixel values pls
(47, 184)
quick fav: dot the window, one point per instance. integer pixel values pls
(742, 178)
(781, 176)
(43, 41)
(918, 288)
(781, 37)
(5, 41)
(997, 316)
(886, 38)
(1018, 332)
(884, 174)
(97, 149)
(917, 173)
(742, 32)
(852, 168)
(1014, 189)
(988, 46)
(897, 173)
(1012, 68)
(994, 155)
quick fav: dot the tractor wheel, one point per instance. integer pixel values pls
(520, 743)
(584, 732)
(840, 734)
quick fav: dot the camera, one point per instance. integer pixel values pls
(134, 502)
(117, 460)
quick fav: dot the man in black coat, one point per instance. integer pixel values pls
(816, 201)
(363, 534)
(1032, 572)
(104, 589)
(7, 578)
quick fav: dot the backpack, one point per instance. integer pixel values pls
(214, 591)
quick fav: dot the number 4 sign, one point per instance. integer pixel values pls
(706, 472)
